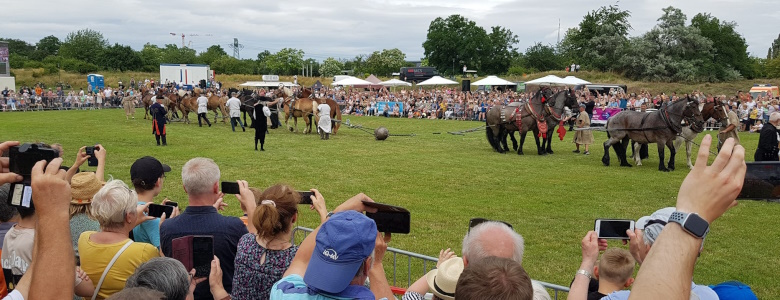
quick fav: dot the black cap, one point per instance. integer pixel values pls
(148, 169)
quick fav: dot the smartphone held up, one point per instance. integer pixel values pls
(613, 229)
(21, 160)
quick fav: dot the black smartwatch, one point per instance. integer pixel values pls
(692, 223)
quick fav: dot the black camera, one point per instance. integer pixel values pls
(21, 161)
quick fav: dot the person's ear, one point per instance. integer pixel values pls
(295, 217)
(185, 188)
(629, 282)
(215, 188)
(596, 272)
(159, 182)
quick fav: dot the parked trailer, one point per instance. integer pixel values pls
(187, 74)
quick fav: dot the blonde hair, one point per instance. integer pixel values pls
(112, 203)
(80, 209)
(272, 219)
(616, 265)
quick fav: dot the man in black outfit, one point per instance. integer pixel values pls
(589, 106)
(159, 120)
(767, 142)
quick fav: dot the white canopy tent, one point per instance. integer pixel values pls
(493, 81)
(395, 82)
(267, 84)
(350, 81)
(438, 80)
(571, 80)
(547, 80)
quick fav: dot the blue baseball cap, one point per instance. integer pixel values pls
(343, 243)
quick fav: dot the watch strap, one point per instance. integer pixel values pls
(584, 272)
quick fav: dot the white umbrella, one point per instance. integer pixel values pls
(493, 81)
(438, 80)
(547, 80)
(352, 81)
(571, 80)
(395, 82)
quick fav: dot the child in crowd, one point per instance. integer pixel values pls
(614, 272)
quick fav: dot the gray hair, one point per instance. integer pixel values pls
(163, 274)
(476, 243)
(112, 203)
(199, 175)
(774, 117)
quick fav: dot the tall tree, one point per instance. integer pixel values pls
(287, 61)
(151, 57)
(48, 46)
(211, 54)
(120, 57)
(384, 63)
(19, 47)
(453, 42)
(542, 58)
(331, 67)
(500, 51)
(85, 44)
(730, 47)
(172, 54)
(596, 42)
(774, 50)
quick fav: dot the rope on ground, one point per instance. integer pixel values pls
(463, 132)
(369, 130)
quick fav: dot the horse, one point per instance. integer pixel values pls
(335, 110)
(301, 108)
(661, 127)
(554, 115)
(217, 105)
(188, 104)
(502, 120)
(146, 98)
(715, 110)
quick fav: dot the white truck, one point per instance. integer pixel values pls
(187, 74)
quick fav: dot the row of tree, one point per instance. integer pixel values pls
(706, 49)
(86, 51)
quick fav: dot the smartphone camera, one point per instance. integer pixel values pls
(21, 159)
(305, 197)
(230, 187)
(92, 161)
(613, 229)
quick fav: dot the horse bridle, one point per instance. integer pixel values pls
(690, 119)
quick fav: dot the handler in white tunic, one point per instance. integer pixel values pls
(323, 125)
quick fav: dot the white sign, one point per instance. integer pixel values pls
(270, 77)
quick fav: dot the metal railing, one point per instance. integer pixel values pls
(425, 260)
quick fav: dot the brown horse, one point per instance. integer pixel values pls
(217, 104)
(715, 110)
(146, 98)
(335, 110)
(188, 104)
(299, 108)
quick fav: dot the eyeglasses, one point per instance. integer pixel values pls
(476, 221)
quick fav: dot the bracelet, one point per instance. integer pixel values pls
(330, 214)
(584, 272)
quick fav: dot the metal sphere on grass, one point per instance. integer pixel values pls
(381, 134)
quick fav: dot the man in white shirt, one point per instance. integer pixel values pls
(324, 122)
(234, 106)
(203, 103)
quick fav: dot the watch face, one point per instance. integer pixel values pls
(696, 225)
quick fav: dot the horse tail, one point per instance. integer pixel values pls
(491, 138)
(337, 113)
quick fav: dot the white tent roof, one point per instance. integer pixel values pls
(267, 83)
(493, 80)
(575, 81)
(352, 81)
(548, 80)
(395, 82)
(437, 80)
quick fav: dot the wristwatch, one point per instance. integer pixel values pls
(584, 272)
(691, 222)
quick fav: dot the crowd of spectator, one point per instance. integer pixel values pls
(108, 247)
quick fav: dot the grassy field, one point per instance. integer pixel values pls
(29, 77)
(443, 179)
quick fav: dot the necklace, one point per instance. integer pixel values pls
(281, 244)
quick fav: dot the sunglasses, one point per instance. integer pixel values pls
(476, 221)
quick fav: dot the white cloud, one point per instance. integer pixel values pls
(347, 28)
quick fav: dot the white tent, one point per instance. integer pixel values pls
(395, 82)
(438, 80)
(548, 80)
(350, 81)
(571, 80)
(493, 81)
(267, 83)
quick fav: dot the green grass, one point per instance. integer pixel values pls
(443, 179)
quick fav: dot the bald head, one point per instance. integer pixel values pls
(492, 239)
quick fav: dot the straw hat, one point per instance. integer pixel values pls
(83, 186)
(442, 281)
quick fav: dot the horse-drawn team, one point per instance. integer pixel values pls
(676, 122)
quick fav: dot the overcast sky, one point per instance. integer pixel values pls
(345, 28)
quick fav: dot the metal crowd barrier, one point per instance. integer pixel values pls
(424, 263)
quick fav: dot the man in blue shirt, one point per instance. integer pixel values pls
(200, 178)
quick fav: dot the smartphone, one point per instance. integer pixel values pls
(306, 197)
(230, 188)
(157, 210)
(172, 203)
(21, 160)
(389, 218)
(92, 161)
(202, 255)
(762, 180)
(613, 229)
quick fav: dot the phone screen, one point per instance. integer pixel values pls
(305, 197)
(229, 187)
(22, 162)
(393, 222)
(156, 210)
(613, 229)
(202, 255)
(761, 181)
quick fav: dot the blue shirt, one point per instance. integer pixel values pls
(205, 220)
(292, 287)
(702, 291)
(148, 232)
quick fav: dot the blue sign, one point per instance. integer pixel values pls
(380, 107)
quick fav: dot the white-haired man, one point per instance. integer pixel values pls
(200, 178)
(497, 239)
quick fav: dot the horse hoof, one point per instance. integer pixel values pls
(550, 152)
(671, 168)
(627, 165)
(605, 161)
(663, 169)
(520, 153)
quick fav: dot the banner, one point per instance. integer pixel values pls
(602, 114)
(380, 107)
(3, 52)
